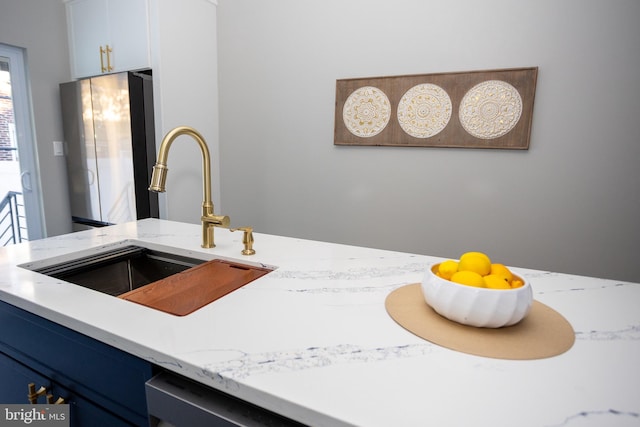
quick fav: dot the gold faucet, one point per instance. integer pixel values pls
(159, 179)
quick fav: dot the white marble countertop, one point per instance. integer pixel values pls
(312, 340)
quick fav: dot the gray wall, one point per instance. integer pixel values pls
(570, 203)
(40, 27)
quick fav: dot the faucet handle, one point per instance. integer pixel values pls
(247, 239)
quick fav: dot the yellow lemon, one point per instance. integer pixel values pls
(495, 281)
(469, 278)
(502, 270)
(446, 269)
(480, 254)
(517, 283)
(476, 262)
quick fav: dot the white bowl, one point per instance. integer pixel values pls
(481, 307)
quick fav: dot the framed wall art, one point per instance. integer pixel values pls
(473, 109)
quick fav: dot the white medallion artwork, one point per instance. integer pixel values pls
(490, 109)
(366, 112)
(424, 110)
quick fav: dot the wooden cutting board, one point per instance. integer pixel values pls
(191, 289)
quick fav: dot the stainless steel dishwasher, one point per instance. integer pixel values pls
(173, 400)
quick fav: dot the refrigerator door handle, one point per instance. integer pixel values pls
(25, 180)
(91, 176)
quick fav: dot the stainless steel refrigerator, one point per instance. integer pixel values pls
(110, 148)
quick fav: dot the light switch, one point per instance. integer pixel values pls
(58, 148)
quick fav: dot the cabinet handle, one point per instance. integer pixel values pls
(42, 391)
(50, 400)
(33, 394)
(102, 52)
(106, 51)
(109, 50)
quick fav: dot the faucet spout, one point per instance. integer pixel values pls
(159, 178)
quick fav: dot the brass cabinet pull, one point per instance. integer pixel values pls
(102, 52)
(33, 394)
(109, 51)
(42, 391)
(50, 400)
(106, 51)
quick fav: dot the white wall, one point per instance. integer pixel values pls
(185, 78)
(40, 27)
(570, 203)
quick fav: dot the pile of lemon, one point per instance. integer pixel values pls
(476, 269)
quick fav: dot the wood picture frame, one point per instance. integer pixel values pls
(472, 109)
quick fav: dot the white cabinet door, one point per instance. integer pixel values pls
(129, 34)
(107, 36)
(88, 28)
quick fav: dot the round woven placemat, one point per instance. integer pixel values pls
(543, 333)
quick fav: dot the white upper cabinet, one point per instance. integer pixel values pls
(107, 36)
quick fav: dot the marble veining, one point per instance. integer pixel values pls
(353, 289)
(608, 417)
(361, 273)
(312, 339)
(246, 364)
(630, 333)
(607, 285)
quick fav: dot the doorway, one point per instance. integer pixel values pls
(21, 213)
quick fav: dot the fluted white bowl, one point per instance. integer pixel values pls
(481, 307)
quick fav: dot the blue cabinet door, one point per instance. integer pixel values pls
(103, 375)
(16, 378)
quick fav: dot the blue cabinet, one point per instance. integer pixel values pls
(16, 376)
(103, 385)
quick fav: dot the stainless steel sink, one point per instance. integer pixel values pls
(172, 280)
(120, 270)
